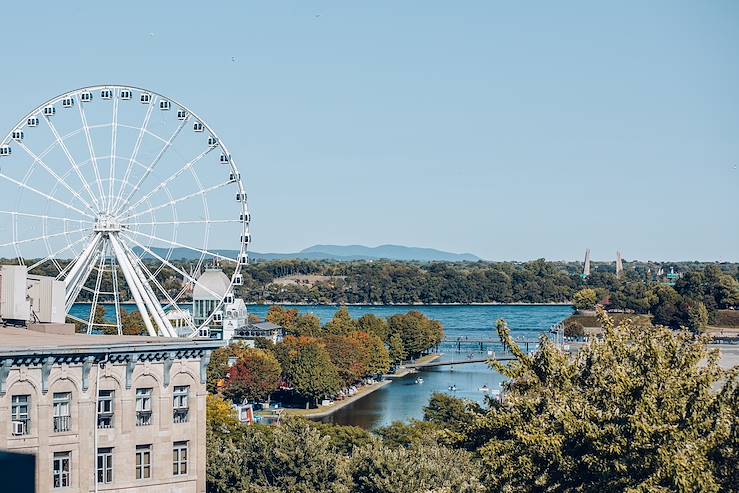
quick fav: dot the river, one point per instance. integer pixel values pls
(403, 399)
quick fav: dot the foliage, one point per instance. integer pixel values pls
(418, 333)
(412, 470)
(254, 377)
(585, 299)
(396, 349)
(378, 361)
(453, 413)
(307, 367)
(343, 439)
(573, 328)
(643, 409)
(412, 434)
(374, 325)
(218, 366)
(349, 356)
(342, 323)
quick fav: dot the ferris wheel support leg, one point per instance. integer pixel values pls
(130, 277)
(79, 271)
(166, 326)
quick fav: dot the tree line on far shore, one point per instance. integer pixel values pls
(316, 362)
(697, 299)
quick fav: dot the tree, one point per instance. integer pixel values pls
(379, 358)
(643, 409)
(574, 328)
(377, 469)
(254, 377)
(450, 412)
(219, 364)
(342, 323)
(374, 325)
(284, 318)
(585, 299)
(133, 323)
(349, 356)
(396, 349)
(666, 306)
(308, 325)
(696, 316)
(308, 368)
(418, 333)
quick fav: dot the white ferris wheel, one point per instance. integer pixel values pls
(124, 194)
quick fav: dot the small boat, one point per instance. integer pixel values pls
(419, 380)
(453, 388)
(484, 389)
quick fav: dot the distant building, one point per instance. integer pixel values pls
(212, 287)
(105, 413)
(266, 330)
(234, 317)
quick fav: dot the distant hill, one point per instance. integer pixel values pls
(337, 253)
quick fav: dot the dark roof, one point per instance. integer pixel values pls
(265, 326)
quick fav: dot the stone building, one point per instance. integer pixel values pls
(120, 413)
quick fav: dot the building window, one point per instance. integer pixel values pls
(105, 465)
(143, 461)
(143, 407)
(21, 421)
(105, 408)
(61, 468)
(62, 411)
(179, 458)
(180, 403)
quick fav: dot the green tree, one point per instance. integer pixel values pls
(418, 333)
(374, 325)
(585, 299)
(219, 364)
(308, 325)
(450, 412)
(379, 357)
(396, 349)
(254, 377)
(643, 409)
(696, 316)
(342, 323)
(412, 470)
(307, 366)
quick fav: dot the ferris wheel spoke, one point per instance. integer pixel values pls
(172, 177)
(201, 192)
(42, 216)
(159, 156)
(54, 254)
(116, 295)
(81, 270)
(172, 266)
(197, 221)
(182, 245)
(113, 145)
(49, 197)
(37, 238)
(152, 278)
(65, 149)
(135, 153)
(93, 158)
(58, 178)
(96, 293)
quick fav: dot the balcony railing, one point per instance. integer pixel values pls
(143, 418)
(62, 424)
(105, 421)
(181, 415)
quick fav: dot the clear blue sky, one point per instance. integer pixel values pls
(510, 130)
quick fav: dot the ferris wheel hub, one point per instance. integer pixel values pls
(105, 223)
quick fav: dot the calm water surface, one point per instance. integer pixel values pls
(403, 399)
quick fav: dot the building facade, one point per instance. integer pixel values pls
(106, 413)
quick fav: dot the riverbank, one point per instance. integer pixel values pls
(324, 411)
(419, 304)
